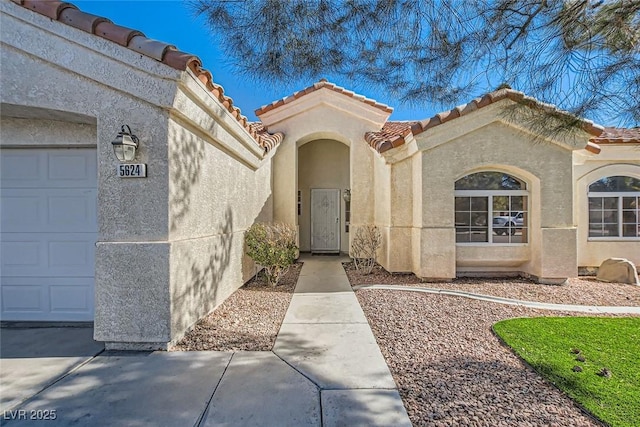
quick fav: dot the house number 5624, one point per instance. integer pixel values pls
(137, 170)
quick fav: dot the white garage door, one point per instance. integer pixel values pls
(47, 233)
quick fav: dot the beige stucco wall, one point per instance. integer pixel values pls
(480, 142)
(324, 115)
(393, 210)
(321, 164)
(170, 246)
(219, 185)
(613, 160)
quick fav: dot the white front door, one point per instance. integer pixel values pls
(325, 220)
(48, 232)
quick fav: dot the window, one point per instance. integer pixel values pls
(347, 215)
(491, 207)
(614, 210)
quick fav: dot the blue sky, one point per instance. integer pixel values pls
(174, 23)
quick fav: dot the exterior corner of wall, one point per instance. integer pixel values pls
(132, 292)
(399, 256)
(437, 253)
(558, 257)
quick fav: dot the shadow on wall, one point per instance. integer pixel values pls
(203, 285)
(187, 156)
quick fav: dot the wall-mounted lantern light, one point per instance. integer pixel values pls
(346, 195)
(125, 144)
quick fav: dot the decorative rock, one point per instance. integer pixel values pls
(576, 369)
(618, 270)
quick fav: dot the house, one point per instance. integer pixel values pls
(468, 191)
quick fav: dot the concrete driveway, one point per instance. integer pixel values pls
(32, 358)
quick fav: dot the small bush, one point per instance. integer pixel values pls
(272, 246)
(366, 241)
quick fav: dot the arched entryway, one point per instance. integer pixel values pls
(323, 214)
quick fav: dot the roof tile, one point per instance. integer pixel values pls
(322, 83)
(267, 140)
(593, 148)
(467, 108)
(391, 131)
(116, 33)
(483, 101)
(149, 47)
(390, 136)
(181, 60)
(50, 9)
(80, 20)
(613, 135)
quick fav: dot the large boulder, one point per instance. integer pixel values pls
(618, 270)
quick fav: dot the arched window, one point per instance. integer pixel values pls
(613, 208)
(491, 207)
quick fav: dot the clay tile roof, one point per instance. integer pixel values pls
(135, 40)
(322, 84)
(393, 133)
(390, 136)
(618, 136)
(264, 138)
(496, 96)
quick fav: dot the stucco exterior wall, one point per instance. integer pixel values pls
(393, 210)
(324, 115)
(322, 164)
(219, 186)
(486, 143)
(613, 160)
(34, 132)
(382, 199)
(170, 246)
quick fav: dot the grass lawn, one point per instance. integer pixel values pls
(556, 346)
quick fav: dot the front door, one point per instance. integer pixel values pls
(325, 220)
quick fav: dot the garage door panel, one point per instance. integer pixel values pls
(20, 211)
(22, 168)
(48, 233)
(55, 168)
(39, 298)
(71, 298)
(66, 256)
(68, 168)
(20, 255)
(72, 212)
(41, 210)
(48, 254)
(22, 298)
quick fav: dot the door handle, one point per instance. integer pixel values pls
(338, 219)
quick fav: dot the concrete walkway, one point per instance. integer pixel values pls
(325, 370)
(603, 309)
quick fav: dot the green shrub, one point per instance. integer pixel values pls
(272, 246)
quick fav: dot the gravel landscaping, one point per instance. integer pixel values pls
(448, 365)
(583, 290)
(248, 320)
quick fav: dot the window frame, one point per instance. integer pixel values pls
(490, 194)
(619, 206)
